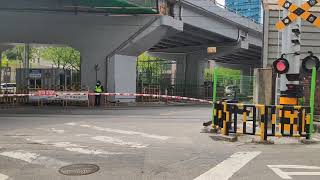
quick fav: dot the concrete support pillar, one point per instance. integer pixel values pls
(121, 76)
(195, 67)
(180, 71)
(190, 74)
(93, 67)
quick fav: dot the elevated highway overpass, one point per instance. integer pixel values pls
(181, 32)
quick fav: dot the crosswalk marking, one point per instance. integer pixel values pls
(3, 177)
(116, 141)
(74, 147)
(228, 167)
(287, 174)
(34, 158)
(52, 133)
(120, 131)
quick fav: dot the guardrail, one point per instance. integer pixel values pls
(267, 120)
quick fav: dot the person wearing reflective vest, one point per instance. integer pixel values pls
(98, 89)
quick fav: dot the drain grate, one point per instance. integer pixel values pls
(79, 169)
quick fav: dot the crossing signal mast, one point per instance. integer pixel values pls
(289, 65)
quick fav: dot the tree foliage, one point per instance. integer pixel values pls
(64, 57)
(35, 54)
(15, 53)
(226, 74)
(150, 68)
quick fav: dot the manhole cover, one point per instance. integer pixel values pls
(79, 169)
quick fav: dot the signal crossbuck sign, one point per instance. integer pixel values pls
(296, 11)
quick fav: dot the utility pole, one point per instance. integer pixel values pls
(96, 68)
(26, 65)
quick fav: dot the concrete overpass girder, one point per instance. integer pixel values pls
(162, 28)
(94, 36)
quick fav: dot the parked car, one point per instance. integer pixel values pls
(231, 90)
(8, 88)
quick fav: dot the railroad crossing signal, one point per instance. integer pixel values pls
(296, 12)
(281, 65)
(309, 62)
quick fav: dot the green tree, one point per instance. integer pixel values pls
(35, 54)
(63, 57)
(15, 53)
(150, 68)
(223, 73)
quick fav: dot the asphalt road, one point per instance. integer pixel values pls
(138, 143)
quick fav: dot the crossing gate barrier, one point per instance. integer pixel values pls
(66, 98)
(265, 120)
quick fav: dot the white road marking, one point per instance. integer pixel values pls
(71, 124)
(3, 177)
(167, 114)
(287, 175)
(65, 145)
(90, 151)
(116, 141)
(34, 158)
(82, 135)
(228, 167)
(59, 131)
(177, 112)
(22, 155)
(74, 147)
(121, 131)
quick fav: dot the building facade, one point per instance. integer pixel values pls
(246, 8)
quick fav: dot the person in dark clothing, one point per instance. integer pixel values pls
(98, 89)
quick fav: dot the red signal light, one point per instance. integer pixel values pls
(281, 65)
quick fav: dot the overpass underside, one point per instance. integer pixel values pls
(111, 7)
(112, 42)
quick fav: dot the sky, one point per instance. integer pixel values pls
(220, 1)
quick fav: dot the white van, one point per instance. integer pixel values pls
(8, 88)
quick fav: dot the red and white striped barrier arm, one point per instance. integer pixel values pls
(113, 94)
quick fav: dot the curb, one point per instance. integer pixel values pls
(308, 141)
(219, 137)
(267, 142)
